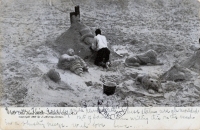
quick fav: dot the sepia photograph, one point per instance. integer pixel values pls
(90, 53)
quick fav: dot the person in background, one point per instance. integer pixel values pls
(101, 46)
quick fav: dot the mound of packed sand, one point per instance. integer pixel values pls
(130, 88)
(53, 75)
(193, 61)
(72, 39)
(177, 73)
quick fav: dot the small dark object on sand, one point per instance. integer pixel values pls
(109, 88)
(89, 83)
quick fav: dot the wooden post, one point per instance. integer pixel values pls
(77, 11)
(72, 15)
(75, 16)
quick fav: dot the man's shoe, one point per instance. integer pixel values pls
(108, 65)
(102, 64)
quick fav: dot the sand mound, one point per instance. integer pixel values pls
(193, 61)
(45, 90)
(130, 88)
(177, 73)
(54, 75)
(72, 39)
(185, 95)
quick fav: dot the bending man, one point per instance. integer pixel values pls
(101, 46)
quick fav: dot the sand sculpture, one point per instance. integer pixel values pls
(87, 36)
(149, 83)
(193, 61)
(78, 37)
(72, 62)
(176, 73)
(147, 58)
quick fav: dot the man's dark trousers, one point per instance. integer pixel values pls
(102, 56)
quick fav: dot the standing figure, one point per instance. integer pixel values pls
(101, 46)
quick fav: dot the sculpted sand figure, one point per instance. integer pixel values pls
(150, 83)
(147, 58)
(72, 62)
(79, 37)
(54, 75)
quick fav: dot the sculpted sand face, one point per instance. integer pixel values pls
(150, 84)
